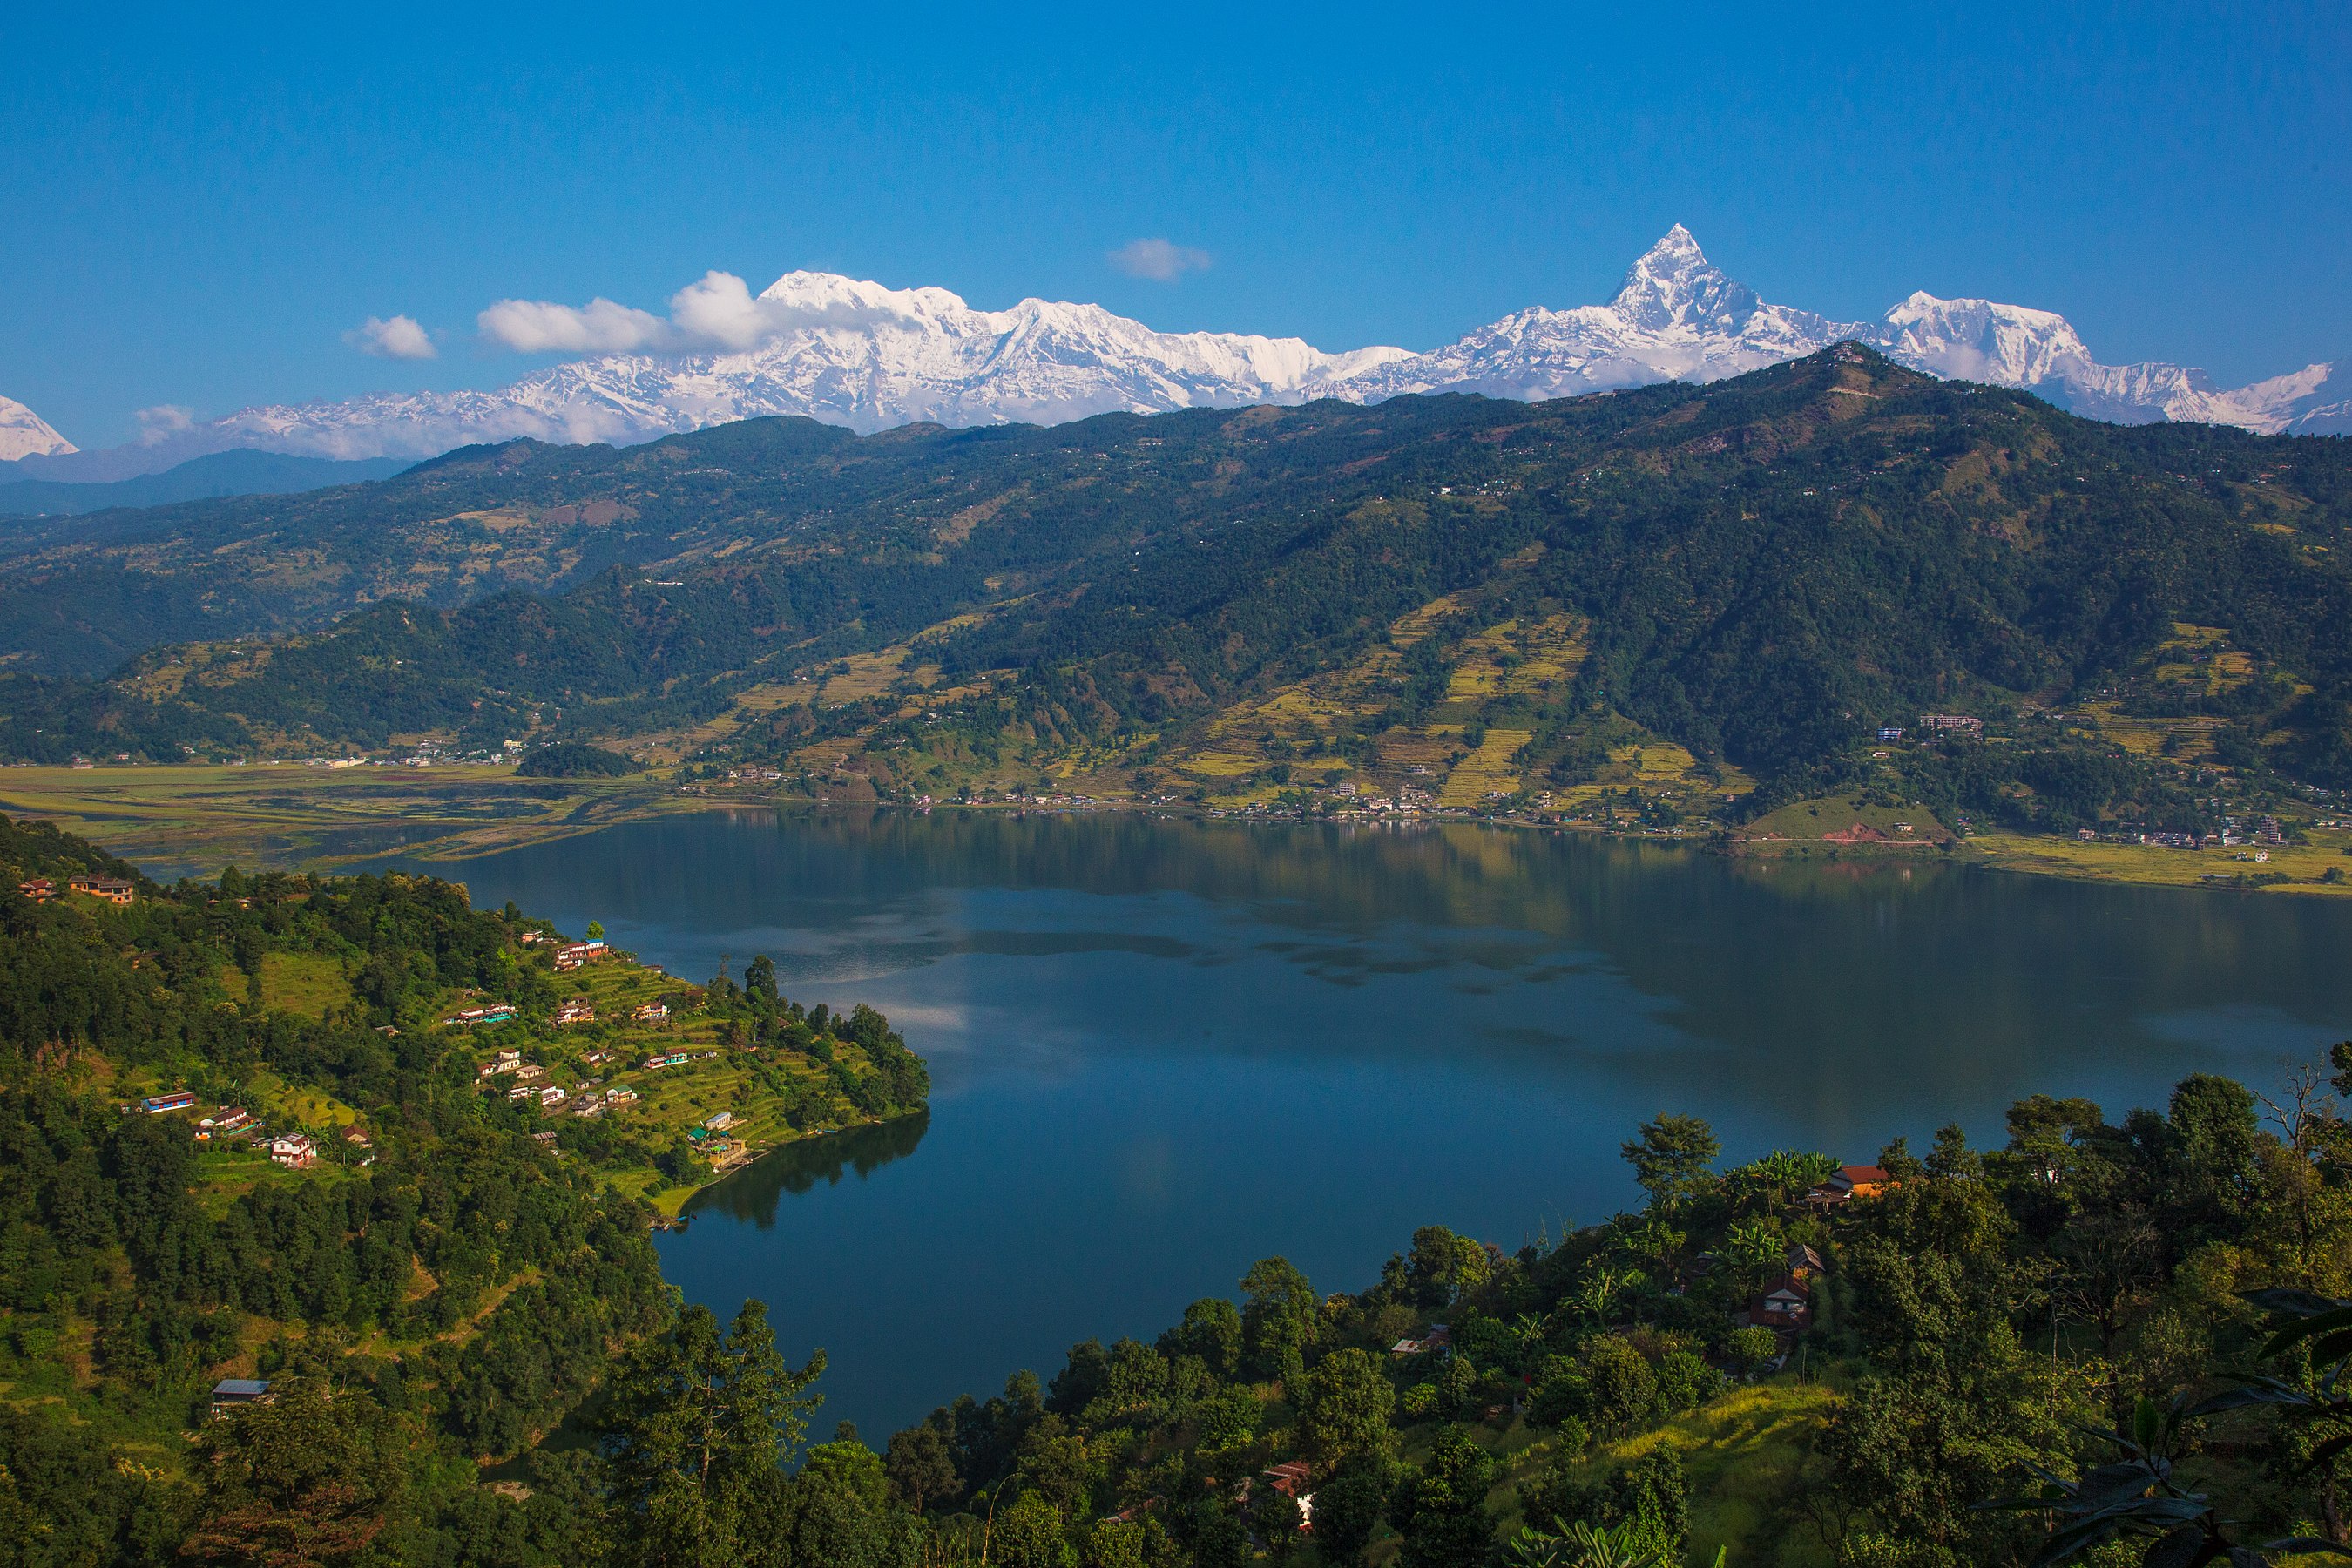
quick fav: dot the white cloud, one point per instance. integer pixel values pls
(717, 310)
(601, 326)
(1158, 259)
(398, 337)
(160, 423)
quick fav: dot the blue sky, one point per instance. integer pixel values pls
(197, 211)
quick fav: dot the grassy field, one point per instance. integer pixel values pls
(2301, 867)
(1841, 822)
(195, 820)
(304, 983)
(1743, 1455)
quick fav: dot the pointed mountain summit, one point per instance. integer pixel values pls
(1675, 284)
(24, 433)
(861, 354)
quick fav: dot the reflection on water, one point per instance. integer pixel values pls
(752, 1193)
(1163, 1049)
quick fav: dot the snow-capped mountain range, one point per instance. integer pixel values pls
(870, 357)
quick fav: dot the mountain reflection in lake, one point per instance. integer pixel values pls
(1161, 1049)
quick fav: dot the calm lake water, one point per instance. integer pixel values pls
(1162, 1049)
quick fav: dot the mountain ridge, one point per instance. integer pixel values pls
(239, 471)
(1450, 595)
(868, 357)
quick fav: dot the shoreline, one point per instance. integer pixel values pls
(193, 820)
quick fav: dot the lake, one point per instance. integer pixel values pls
(1164, 1048)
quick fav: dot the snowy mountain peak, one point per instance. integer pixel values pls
(1673, 284)
(1979, 340)
(24, 433)
(859, 354)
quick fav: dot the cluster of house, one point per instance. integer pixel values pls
(1786, 1304)
(2268, 830)
(578, 955)
(577, 1011)
(113, 889)
(1849, 1182)
(598, 1101)
(298, 1151)
(229, 1123)
(530, 1085)
(1952, 724)
(496, 1013)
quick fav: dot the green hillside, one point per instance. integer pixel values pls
(383, 1151)
(1629, 606)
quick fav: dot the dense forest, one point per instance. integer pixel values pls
(2108, 1339)
(443, 1291)
(1764, 570)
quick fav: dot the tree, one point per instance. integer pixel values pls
(1623, 1389)
(1116, 1544)
(2211, 1164)
(1755, 1250)
(1671, 1155)
(835, 1514)
(1347, 1509)
(1955, 1403)
(2105, 1260)
(1278, 1316)
(1442, 1507)
(1344, 1404)
(1028, 1534)
(1751, 1347)
(306, 1480)
(1443, 1265)
(1212, 1330)
(921, 1468)
(698, 1416)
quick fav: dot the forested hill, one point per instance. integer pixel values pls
(1760, 572)
(348, 1139)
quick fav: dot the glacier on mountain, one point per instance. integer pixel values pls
(869, 357)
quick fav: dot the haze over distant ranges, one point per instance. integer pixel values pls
(868, 357)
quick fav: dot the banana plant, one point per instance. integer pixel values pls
(1581, 1545)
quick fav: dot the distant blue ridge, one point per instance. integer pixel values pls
(244, 472)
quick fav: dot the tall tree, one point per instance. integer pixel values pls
(309, 1479)
(1442, 1507)
(1277, 1319)
(1344, 1404)
(1670, 1156)
(701, 1419)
